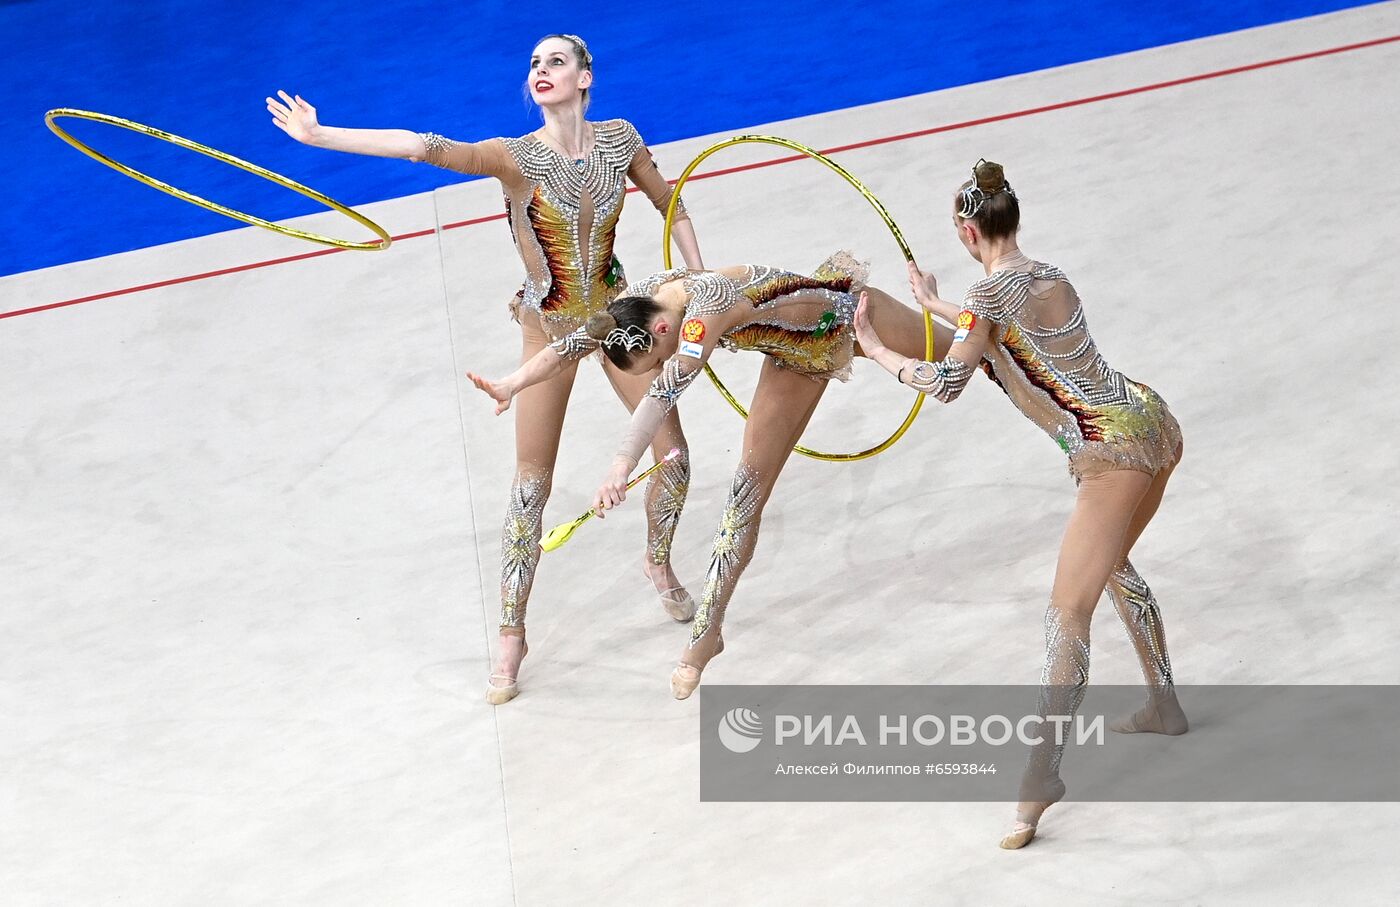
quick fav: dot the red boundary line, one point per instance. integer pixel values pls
(950, 127)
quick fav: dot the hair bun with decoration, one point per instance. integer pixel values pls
(988, 180)
(599, 325)
(603, 327)
(990, 177)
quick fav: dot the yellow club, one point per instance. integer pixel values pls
(564, 531)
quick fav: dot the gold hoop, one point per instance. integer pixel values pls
(898, 238)
(378, 245)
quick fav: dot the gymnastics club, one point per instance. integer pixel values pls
(561, 533)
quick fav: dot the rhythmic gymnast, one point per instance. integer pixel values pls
(564, 186)
(673, 321)
(1025, 326)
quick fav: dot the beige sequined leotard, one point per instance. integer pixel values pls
(1042, 356)
(563, 213)
(802, 322)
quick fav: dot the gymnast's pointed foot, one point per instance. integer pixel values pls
(686, 675)
(503, 686)
(1037, 797)
(1161, 715)
(675, 600)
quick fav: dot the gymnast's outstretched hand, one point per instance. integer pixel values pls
(294, 116)
(500, 391)
(613, 491)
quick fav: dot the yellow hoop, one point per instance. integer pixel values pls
(378, 245)
(889, 222)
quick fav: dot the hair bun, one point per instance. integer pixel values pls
(600, 325)
(991, 178)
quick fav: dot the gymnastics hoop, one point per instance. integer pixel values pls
(377, 245)
(898, 238)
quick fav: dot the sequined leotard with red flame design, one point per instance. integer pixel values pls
(1042, 355)
(563, 213)
(563, 217)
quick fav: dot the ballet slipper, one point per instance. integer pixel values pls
(501, 693)
(686, 677)
(1161, 715)
(678, 603)
(675, 601)
(1023, 832)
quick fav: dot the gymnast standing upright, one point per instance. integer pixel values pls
(564, 188)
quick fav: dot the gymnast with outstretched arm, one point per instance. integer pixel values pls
(564, 187)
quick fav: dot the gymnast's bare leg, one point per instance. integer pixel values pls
(782, 405)
(539, 420)
(1094, 544)
(1137, 609)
